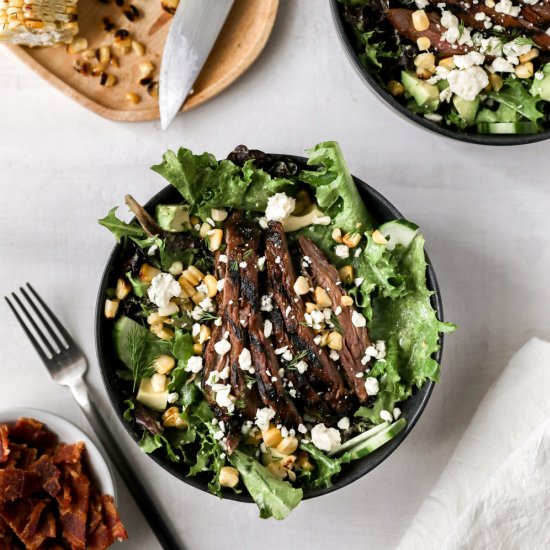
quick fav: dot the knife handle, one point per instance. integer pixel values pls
(142, 497)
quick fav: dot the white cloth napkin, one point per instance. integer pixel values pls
(495, 491)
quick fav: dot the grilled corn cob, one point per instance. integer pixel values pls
(38, 22)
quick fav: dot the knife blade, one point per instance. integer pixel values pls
(194, 30)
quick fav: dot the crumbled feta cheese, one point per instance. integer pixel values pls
(334, 355)
(479, 16)
(358, 319)
(338, 310)
(301, 366)
(195, 329)
(219, 284)
(343, 423)
(245, 361)
(223, 258)
(470, 59)
(325, 439)
(467, 83)
(266, 304)
(224, 398)
(263, 417)
(280, 351)
(207, 305)
(386, 416)
(433, 117)
(246, 427)
(242, 265)
(501, 65)
(516, 48)
(446, 94)
(202, 288)
(224, 373)
(268, 328)
(317, 316)
(396, 413)
(263, 222)
(194, 364)
(371, 385)
(279, 207)
(317, 339)
(539, 75)
(222, 347)
(218, 322)
(506, 7)
(321, 220)
(302, 429)
(173, 397)
(287, 355)
(341, 250)
(449, 20)
(381, 350)
(261, 263)
(162, 289)
(152, 250)
(292, 392)
(421, 4)
(359, 281)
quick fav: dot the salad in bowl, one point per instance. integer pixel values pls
(267, 330)
(480, 67)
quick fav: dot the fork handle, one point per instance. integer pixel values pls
(142, 497)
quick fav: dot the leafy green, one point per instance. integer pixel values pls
(206, 183)
(140, 288)
(335, 189)
(516, 96)
(129, 411)
(453, 118)
(374, 52)
(182, 351)
(410, 328)
(325, 468)
(274, 497)
(119, 228)
(149, 443)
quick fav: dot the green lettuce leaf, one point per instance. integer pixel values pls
(183, 351)
(325, 468)
(274, 497)
(119, 228)
(410, 328)
(335, 189)
(206, 183)
(516, 96)
(149, 443)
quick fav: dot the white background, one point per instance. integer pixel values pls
(484, 212)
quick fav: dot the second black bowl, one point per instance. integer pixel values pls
(383, 211)
(382, 94)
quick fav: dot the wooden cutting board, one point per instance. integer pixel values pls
(241, 40)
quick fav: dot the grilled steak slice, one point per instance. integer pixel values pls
(307, 398)
(401, 20)
(241, 286)
(241, 239)
(321, 373)
(528, 21)
(356, 339)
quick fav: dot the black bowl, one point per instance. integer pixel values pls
(345, 34)
(383, 211)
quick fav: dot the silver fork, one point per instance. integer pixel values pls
(67, 365)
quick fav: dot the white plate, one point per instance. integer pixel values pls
(67, 432)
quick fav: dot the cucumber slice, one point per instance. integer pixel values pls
(524, 127)
(399, 232)
(359, 439)
(373, 443)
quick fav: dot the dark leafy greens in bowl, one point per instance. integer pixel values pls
(474, 71)
(260, 332)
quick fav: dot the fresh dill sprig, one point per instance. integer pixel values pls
(234, 266)
(296, 359)
(525, 41)
(143, 348)
(207, 317)
(461, 27)
(250, 380)
(247, 254)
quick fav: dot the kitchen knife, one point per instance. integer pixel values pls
(194, 30)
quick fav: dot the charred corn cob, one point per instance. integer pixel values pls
(38, 22)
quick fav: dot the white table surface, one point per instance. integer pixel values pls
(484, 212)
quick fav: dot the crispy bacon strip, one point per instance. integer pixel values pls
(49, 475)
(32, 432)
(69, 454)
(16, 483)
(356, 339)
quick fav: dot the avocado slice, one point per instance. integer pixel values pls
(542, 87)
(467, 109)
(173, 217)
(426, 95)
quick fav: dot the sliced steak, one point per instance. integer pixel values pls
(322, 374)
(355, 339)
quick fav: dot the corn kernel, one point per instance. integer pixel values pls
(420, 20)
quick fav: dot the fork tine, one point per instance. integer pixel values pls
(30, 335)
(68, 338)
(46, 324)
